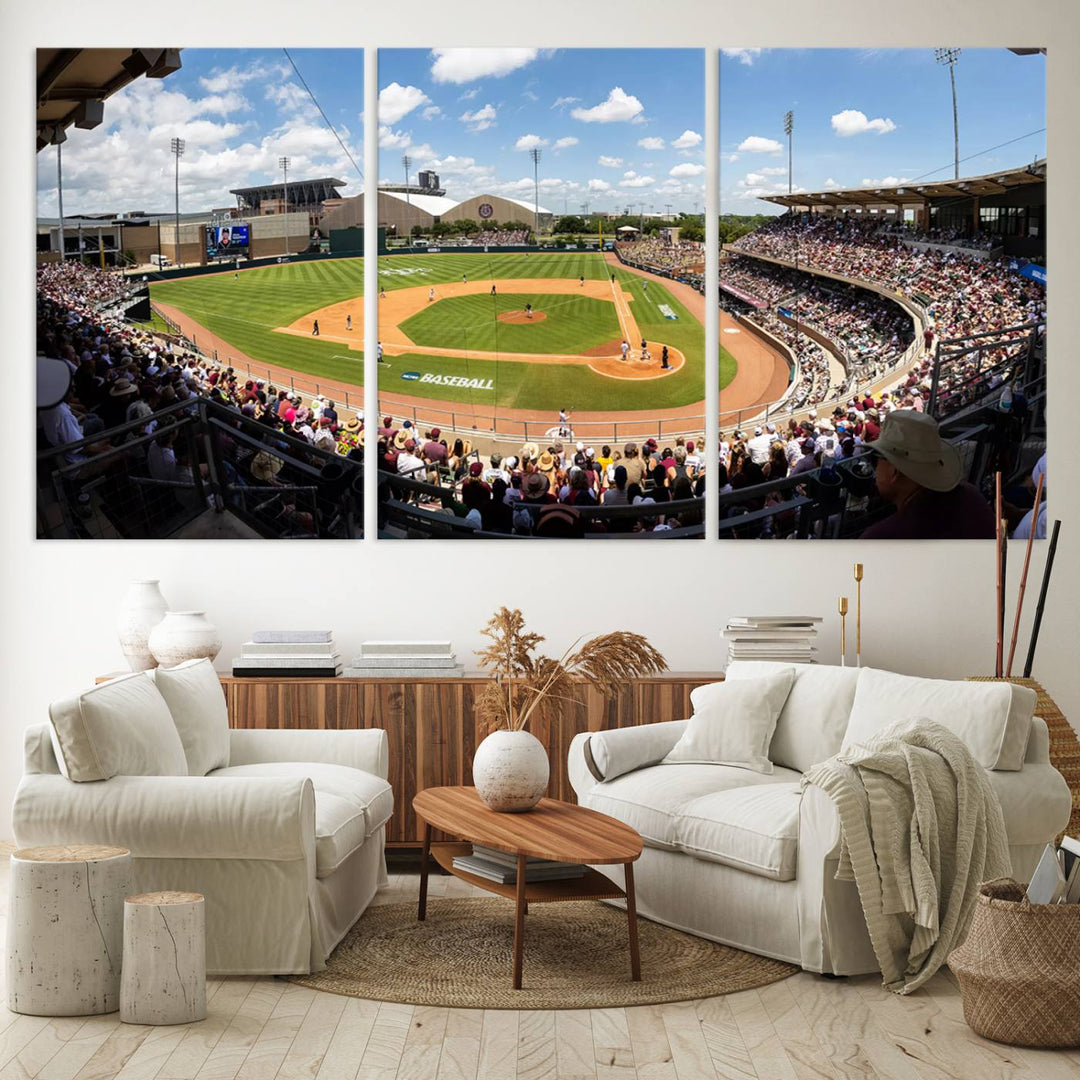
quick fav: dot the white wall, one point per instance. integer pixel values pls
(928, 607)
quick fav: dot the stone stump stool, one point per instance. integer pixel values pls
(65, 929)
(164, 980)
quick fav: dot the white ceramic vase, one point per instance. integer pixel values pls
(142, 609)
(510, 771)
(184, 635)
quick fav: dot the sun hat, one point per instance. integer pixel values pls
(535, 485)
(530, 450)
(265, 466)
(353, 424)
(545, 463)
(400, 439)
(911, 442)
(123, 387)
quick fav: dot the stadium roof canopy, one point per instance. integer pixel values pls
(527, 205)
(278, 186)
(918, 194)
(430, 204)
(73, 83)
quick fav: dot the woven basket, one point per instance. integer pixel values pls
(1019, 969)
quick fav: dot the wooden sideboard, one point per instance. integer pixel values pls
(431, 728)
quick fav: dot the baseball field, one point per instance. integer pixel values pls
(534, 331)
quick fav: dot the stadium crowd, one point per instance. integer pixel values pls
(501, 237)
(682, 261)
(550, 491)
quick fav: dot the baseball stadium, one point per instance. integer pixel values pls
(855, 310)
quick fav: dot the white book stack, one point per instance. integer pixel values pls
(295, 653)
(405, 660)
(501, 866)
(786, 639)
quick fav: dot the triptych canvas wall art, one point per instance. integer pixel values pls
(542, 257)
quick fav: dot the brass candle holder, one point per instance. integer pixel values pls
(858, 613)
(842, 607)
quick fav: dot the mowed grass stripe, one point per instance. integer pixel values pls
(728, 366)
(571, 324)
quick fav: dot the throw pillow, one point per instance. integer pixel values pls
(120, 728)
(733, 722)
(194, 696)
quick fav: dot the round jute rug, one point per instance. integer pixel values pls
(576, 957)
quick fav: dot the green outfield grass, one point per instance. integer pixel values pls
(728, 366)
(246, 310)
(571, 324)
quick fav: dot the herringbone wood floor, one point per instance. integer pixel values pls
(804, 1028)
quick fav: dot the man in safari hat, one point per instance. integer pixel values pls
(919, 473)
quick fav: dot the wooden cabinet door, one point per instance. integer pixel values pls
(294, 704)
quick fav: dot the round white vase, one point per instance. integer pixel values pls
(142, 609)
(184, 635)
(510, 771)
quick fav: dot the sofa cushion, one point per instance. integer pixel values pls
(811, 725)
(654, 800)
(733, 722)
(340, 828)
(992, 719)
(193, 693)
(119, 728)
(366, 792)
(751, 828)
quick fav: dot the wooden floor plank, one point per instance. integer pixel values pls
(842, 1046)
(536, 1059)
(153, 1052)
(803, 1050)
(612, 1050)
(649, 1041)
(305, 1055)
(200, 1039)
(346, 1049)
(689, 1051)
(498, 1045)
(273, 1042)
(764, 1046)
(575, 1057)
(227, 1057)
(80, 1048)
(382, 1054)
(423, 1045)
(730, 1057)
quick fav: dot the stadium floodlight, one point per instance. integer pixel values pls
(176, 146)
(283, 164)
(535, 154)
(950, 57)
(789, 127)
(406, 161)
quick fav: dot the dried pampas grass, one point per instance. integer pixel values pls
(524, 681)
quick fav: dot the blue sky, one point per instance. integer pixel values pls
(867, 117)
(616, 127)
(239, 110)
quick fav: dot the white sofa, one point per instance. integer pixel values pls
(745, 858)
(281, 830)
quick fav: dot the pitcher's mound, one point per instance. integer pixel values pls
(521, 317)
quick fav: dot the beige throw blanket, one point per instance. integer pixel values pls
(921, 829)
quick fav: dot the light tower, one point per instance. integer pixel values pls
(177, 148)
(950, 58)
(406, 161)
(789, 127)
(534, 153)
(283, 164)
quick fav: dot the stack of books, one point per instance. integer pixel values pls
(787, 639)
(405, 660)
(1057, 877)
(501, 866)
(299, 653)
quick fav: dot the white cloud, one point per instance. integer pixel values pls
(886, 182)
(687, 169)
(469, 94)
(852, 122)
(235, 78)
(757, 144)
(744, 56)
(479, 119)
(773, 170)
(632, 180)
(752, 179)
(831, 183)
(389, 139)
(619, 106)
(651, 142)
(566, 142)
(733, 157)
(529, 95)
(561, 102)
(529, 142)
(396, 101)
(609, 162)
(431, 112)
(599, 185)
(466, 65)
(465, 167)
(686, 140)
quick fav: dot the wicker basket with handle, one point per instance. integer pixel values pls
(1019, 969)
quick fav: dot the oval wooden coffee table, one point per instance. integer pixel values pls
(553, 830)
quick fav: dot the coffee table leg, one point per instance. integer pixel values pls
(425, 858)
(519, 921)
(631, 916)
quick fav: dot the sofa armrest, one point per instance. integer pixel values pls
(596, 756)
(1038, 747)
(38, 753)
(171, 817)
(365, 748)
